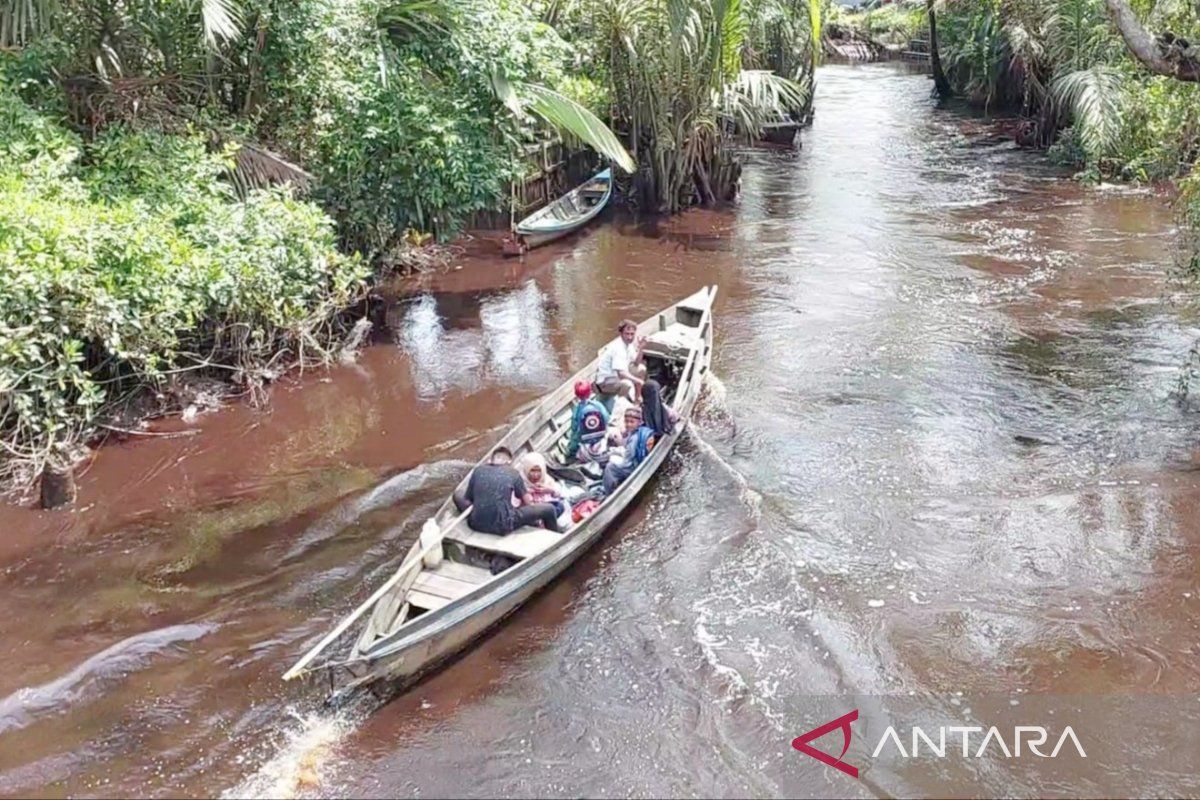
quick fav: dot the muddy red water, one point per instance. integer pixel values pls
(946, 468)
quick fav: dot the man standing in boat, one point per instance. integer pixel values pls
(621, 370)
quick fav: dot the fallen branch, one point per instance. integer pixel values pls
(161, 434)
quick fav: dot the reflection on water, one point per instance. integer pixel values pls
(943, 468)
(468, 341)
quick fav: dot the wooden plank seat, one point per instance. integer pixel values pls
(521, 543)
(434, 588)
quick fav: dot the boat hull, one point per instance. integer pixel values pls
(533, 232)
(532, 240)
(440, 635)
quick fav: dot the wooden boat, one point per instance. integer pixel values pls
(565, 215)
(781, 132)
(429, 611)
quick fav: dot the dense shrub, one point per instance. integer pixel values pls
(890, 24)
(125, 262)
(403, 130)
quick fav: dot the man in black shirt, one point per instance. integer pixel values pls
(490, 491)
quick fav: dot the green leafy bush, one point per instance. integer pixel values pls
(399, 122)
(1162, 129)
(133, 262)
(890, 24)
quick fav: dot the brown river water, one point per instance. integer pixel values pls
(944, 476)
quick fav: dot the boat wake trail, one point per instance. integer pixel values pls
(715, 406)
(714, 397)
(305, 750)
(87, 680)
(390, 492)
(751, 498)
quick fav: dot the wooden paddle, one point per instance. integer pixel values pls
(298, 668)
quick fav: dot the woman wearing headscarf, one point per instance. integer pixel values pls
(656, 414)
(541, 487)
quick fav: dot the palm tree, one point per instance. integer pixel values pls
(1085, 84)
(116, 36)
(677, 75)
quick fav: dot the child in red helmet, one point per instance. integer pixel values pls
(589, 427)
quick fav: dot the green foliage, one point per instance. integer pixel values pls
(167, 171)
(403, 130)
(590, 94)
(1189, 206)
(890, 24)
(1063, 61)
(976, 52)
(1161, 134)
(572, 118)
(31, 145)
(118, 268)
(679, 89)
(1096, 99)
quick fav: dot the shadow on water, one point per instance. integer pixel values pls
(944, 459)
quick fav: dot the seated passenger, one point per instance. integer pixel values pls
(490, 492)
(638, 439)
(589, 424)
(620, 371)
(656, 414)
(541, 488)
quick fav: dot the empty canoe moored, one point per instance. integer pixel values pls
(565, 215)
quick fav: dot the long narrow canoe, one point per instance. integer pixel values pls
(567, 214)
(425, 614)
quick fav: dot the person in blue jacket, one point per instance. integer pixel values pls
(589, 427)
(638, 440)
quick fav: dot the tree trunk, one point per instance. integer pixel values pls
(1166, 60)
(935, 59)
(702, 183)
(58, 486)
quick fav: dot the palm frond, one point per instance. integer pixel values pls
(760, 96)
(256, 167)
(222, 21)
(1095, 98)
(815, 23)
(506, 92)
(567, 115)
(1077, 32)
(732, 31)
(416, 17)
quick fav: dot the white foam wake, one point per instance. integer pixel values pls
(714, 395)
(751, 498)
(304, 761)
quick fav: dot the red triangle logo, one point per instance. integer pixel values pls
(801, 743)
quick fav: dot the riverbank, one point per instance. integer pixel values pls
(225, 226)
